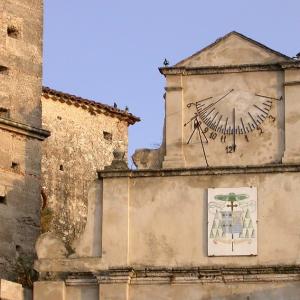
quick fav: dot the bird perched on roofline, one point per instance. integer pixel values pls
(115, 105)
(166, 62)
(297, 56)
(126, 108)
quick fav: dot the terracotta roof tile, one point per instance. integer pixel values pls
(92, 106)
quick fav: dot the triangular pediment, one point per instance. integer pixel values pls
(233, 49)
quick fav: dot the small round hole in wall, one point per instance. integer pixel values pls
(13, 32)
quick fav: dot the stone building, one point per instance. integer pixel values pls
(21, 27)
(220, 218)
(84, 135)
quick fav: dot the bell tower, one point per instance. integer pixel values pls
(21, 28)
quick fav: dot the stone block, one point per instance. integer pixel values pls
(10, 290)
(49, 245)
(49, 290)
(114, 291)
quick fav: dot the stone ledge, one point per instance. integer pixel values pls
(291, 83)
(148, 276)
(24, 129)
(280, 66)
(203, 171)
(62, 265)
(205, 70)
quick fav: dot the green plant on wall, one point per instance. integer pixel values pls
(46, 218)
(25, 273)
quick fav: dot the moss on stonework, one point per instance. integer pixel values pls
(46, 219)
(25, 274)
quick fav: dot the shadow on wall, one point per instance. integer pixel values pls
(218, 291)
(20, 206)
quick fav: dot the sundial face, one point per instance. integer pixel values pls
(233, 117)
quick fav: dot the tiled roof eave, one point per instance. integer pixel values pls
(92, 106)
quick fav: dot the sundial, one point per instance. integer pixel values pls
(231, 120)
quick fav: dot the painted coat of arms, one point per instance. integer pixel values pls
(232, 221)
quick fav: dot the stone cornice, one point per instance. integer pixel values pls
(291, 83)
(23, 129)
(203, 171)
(205, 70)
(173, 89)
(295, 64)
(201, 275)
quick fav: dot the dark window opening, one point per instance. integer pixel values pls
(61, 167)
(2, 199)
(3, 70)
(107, 135)
(15, 166)
(18, 250)
(59, 117)
(13, 32)
(4, 112)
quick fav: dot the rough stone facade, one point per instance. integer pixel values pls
(20, 133)
(84, 135)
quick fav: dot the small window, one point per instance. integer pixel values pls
(107, 136)
(59, 117)
(13, 32)
(61, 167)
(2, 199)
(4, 112)
(15, 166)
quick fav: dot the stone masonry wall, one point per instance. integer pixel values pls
(80, 144)
(21, 30)
(21, 24)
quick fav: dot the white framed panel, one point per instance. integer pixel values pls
(232, 221)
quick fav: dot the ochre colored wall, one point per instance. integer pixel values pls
(78, 146)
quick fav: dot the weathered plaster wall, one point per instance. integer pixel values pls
(168, 220)
(262, 291)
(162, 221)
(213, 291)
(221, 53)
(71, 156)
(20, 155)
(82, 293)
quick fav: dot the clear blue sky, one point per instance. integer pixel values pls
(110, 51)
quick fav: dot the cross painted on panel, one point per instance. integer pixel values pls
(232, 216)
